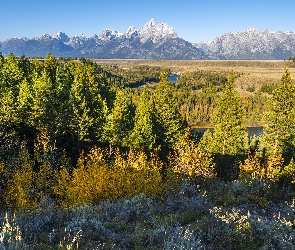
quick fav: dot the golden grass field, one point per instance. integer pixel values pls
(253, 72)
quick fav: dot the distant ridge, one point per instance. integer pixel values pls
(251, 44)
(152, 41)
(156, 41)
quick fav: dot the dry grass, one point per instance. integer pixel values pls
(254, 72)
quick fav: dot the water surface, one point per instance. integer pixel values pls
(250, 130)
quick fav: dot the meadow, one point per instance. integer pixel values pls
(256, 71)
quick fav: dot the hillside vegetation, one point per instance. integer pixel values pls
(100, 155)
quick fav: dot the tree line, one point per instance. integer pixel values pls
(76, 132)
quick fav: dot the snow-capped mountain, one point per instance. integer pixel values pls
(251, 44)
(157, 41)
(156, 32)
(152, 41)
(61, 36)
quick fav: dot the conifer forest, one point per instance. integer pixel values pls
(96, 156)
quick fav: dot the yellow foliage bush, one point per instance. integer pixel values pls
(29, 179)
(190, 161)
(254, 168)
(20, 193)
(273, 167)
(95, 179)
(251, 167)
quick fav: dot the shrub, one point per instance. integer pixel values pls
(189, 161)
(94, 179)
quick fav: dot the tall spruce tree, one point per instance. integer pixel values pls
(41, 91)
(279, 134)
(144, 131)
(11, 76)
(230, 136)
(229, 139)
(170, 125)
(119, 122)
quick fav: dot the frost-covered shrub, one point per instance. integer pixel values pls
(10, 234)
(236, 230)
(138, 207)
(70, 240)
(183, 238)
(274, 234)
(37, 225)
(238, 187)
(84, 220)
(188, 198)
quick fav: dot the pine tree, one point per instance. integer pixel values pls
(170, 123)
(25, 103)
(229, 139)
(87, 106)
(230, 136)
(119, 122)
(60, 102)
(11, 75)
(50, 66)
(279, 134)
(144, 131)
(41, 92)
(80, 118)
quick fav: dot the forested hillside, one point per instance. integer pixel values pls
(100, 157)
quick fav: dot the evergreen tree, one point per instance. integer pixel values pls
(50, 66)
(230, 136)
(60, 101)
(94, 101)
(229, 139)
(11, 75)
(25, 103)
(81, 121)
(119, 122)
(87, 106)
(279, 134)
(144, 131)
(7, 108)
(170, 123)
(41, 92)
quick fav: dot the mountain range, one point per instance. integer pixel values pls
(156, 41)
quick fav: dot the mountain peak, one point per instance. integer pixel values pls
(151, 23)
(130, 31)
(156, 32)
(61, 36)
(252, 29)
(109, 34)
(45, 36)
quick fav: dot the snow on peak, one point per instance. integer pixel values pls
(130, 31)
(61, 36)
(151, 23)
(252, 29)
(43, 37)
(109, 34)
(156, 32)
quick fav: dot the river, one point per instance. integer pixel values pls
(173, 78)
(250, 130)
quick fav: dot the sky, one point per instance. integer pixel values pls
(192, 20)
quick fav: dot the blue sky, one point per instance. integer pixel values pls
(193, 20)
